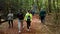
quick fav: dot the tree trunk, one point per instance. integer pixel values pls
(49, 6)
(57, 5)
(0, 19)
(38, 5)
(54, 4)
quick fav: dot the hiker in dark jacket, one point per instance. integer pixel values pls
(33, 12)
(42, 15)
(20, 20)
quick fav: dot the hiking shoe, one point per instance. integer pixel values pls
(23, 26)
(19, 31)
(27, 29)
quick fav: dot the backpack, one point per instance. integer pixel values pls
(28, 18)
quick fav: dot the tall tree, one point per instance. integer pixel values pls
(54, 4)
(49, 5)
(57, 6)
(38, 4)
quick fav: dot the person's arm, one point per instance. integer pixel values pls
(13, 16)
(31, 17)
(40, 13)
(22, 15)
(25, 17)
(45, 13)
(7, 15)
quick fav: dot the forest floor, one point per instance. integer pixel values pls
(36, 27)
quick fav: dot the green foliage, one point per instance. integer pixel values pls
(25, 5)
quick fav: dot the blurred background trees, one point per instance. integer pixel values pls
(51, 6)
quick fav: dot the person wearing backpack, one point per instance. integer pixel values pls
(20, 20)
(10, 18)
(28, 18)
(42, 15)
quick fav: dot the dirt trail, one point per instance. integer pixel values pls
(36, 27)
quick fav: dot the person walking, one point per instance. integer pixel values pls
(20, 20)
(42, 15)
(10, 18)
(28, 18)
(33, 12)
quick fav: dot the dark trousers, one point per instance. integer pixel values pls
(10, 23)
(42, 19)
(28, 24)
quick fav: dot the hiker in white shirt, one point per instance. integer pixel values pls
(10, 18)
